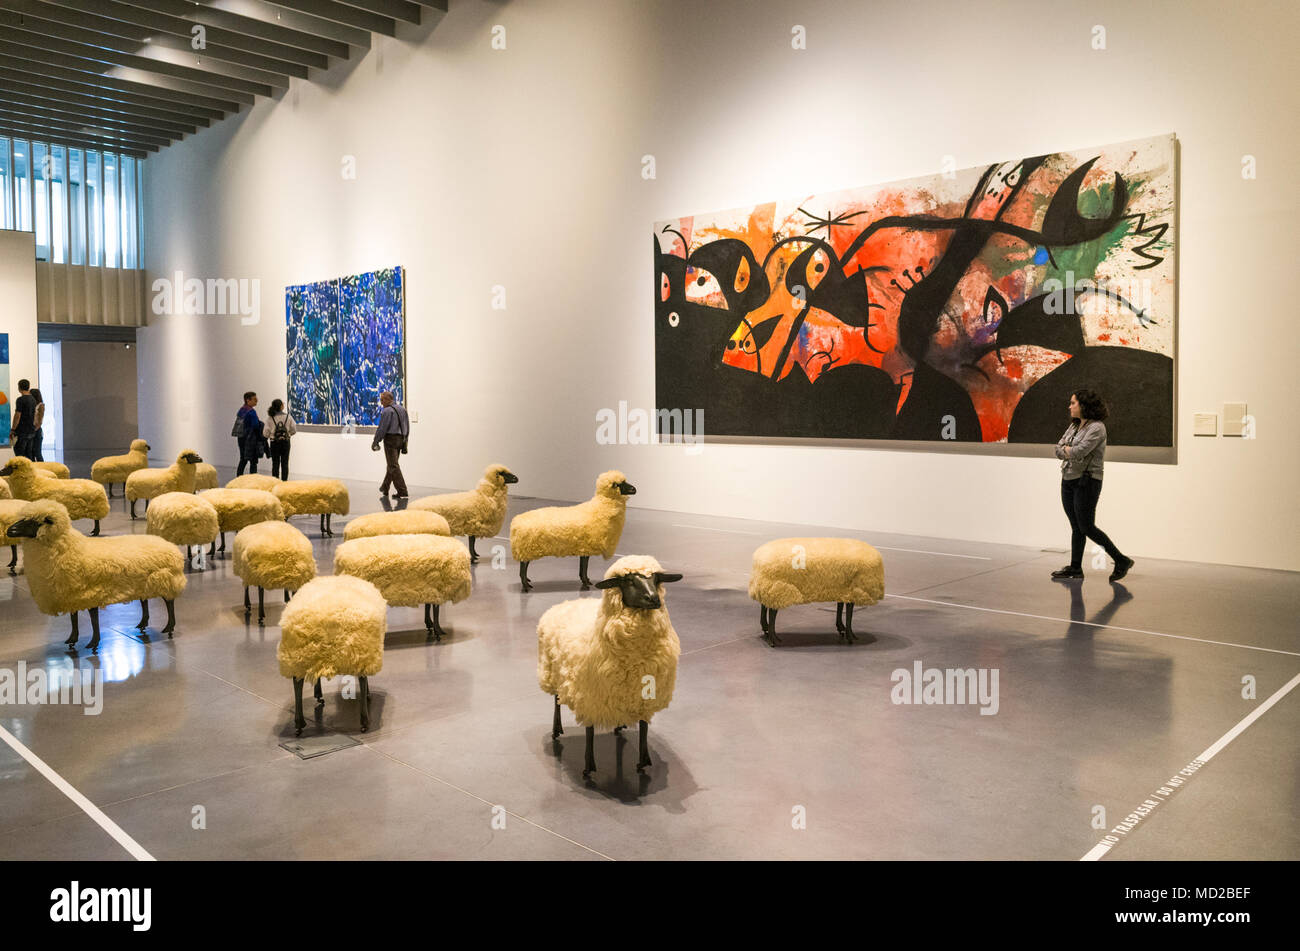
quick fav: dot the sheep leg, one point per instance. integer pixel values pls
(437, 628)
(261, 606)
(299, 721)
(329, 524)
(848, 626)
(762, 618)
(523, 576)
(94, 630)
(248, 605)
(771, 627)
(590, 766)
(365, 704)
(839, 618)
(133, 515)
(144, 615)
(223, 542)
(75, 635)
(556, 728)
(146, 506)
(286, 595)
(582, 572)
(13, 558)
(428, 624)
(473, 555)
(171, 616)
(644, 761)
(618, 730)
(96, 530)
(320, 697)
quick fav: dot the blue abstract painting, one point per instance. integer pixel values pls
(345, 341)
(5, 397)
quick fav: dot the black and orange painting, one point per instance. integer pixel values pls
(966, 305)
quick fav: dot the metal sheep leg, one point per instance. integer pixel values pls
(75, 635)
(13, 559)
(644, 761)
(473, 555)
(261, 606)
(299, 721)
(171, 617)
(582, 572)
(248, 605)
(556, 728)
(94, 630)
(144, 615)
(590, 766)
(523, 576)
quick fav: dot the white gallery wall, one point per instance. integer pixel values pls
(18, 313)
(481, 169)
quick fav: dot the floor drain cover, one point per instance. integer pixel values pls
(318, 744)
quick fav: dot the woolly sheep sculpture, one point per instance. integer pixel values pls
(334, 625)
(272, 555)
(9, 509)
(403, 522)
(150, 483)
(205, 477)
(410, 570)
(323, 497)
(55, 470)
(81, 497)
(589, 528)
(183, 519)
(478, 513)
(252, 480)
(111, 469)
(68, 572)
(240, 508)
(791, 571)
(593, 654)
(5, 493)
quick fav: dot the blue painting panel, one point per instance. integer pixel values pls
(372, 339)
(312, 351)
(6, 397)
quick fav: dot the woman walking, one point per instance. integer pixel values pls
(38, 437)
(1082, 450)
(278, 430)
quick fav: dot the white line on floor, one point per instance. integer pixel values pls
(88, 807)
(1101, 848)
(725, 531)
(1113, 627)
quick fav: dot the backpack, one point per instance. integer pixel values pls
(281, 433)
(238, 429)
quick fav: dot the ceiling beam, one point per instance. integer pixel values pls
(275, 32)
(342, 13)
(54, 77)
(15, 85)
(90, 114)
(36, 115)
(76, 143)
(280, 16)
(43, 133)
(395, 9)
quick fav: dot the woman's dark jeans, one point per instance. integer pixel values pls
(1079, 499)
(280, 460)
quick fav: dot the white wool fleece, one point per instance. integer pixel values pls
(66, 571)
(594, 654)
(240, 508)
(791, 571)
(112, 469)
(182, 519)
(312, 497)
(81, 497)
(408, 570)
(333, 625)
(205, 477)
(589, 528)
(252, 480)
(479, 512)
(151, 483)
(405, 522)
(273, 555)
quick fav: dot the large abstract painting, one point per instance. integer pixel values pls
(345, 341)
(966, 305)
(5, 409)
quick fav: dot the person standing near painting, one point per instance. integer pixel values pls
(393, 430)
(24, 420)
(248, 429)
(278, 430)
(1082, 450)
(38, 436)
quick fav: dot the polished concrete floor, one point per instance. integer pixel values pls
(797, 751)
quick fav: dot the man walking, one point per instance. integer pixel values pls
(394, 427)
(23, 427)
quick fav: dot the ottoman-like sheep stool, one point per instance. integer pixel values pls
(405, 522)
(239, 508)
(410, 570)
(183, 519)
(253, 481)
(272, 555)
(335, 626)
(323, 497)
(809, 570)
(205, 476)
(9, 509)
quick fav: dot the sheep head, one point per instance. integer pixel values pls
(499, 475)
(139, 445)
(188, 456)
(614, 485)
(43, 519)
(19, 466)
(637, 578)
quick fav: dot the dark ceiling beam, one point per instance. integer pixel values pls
(16, 85)
(42, 133)
(35, 115)
(342, 13)
(394, 9)
(55, 37)
(433, 4)
(76, 143)
(279, 16)
(127, 20)
(90, 114)
(273, 32)
(50, 76)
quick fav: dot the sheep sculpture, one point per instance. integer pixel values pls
(323, 497)
(183, 519)
(68, 572)
(593, 655)
(403, 522)
(252, 480)
(478, 513)
(334, 625)
(5, 493)
(589, 528)
(791, 571)
(410, 570)
(81, 497)
(150, 483)
(205, 477)
(54, 470)
(111, 469)
(272, 555)
(9, 509)
(239, 508)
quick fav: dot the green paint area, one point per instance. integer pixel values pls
(1084, 259)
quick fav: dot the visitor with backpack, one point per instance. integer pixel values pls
(278, 430)
(248, 430)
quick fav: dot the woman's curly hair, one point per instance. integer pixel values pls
(1091, 405)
